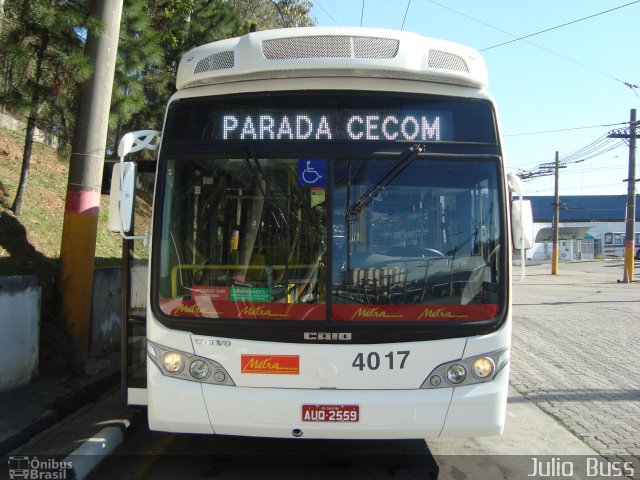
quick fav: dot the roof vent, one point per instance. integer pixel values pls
(330, 46)
(215, 61)
(446, 61)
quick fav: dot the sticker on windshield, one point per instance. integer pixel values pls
(312, 172)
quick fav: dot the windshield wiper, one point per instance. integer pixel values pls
(403, 162)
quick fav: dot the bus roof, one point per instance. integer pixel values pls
(332, 52)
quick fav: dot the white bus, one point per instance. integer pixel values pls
(330, 249)
(614, 244)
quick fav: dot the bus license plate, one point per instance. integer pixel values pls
(330, 413)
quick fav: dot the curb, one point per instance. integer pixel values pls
(89, 455)
(84, 459)
(58, 410)
(92, 445)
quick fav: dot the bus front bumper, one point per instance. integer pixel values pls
(189, 407)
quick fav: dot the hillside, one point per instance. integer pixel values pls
(30, 244)
(43, 209)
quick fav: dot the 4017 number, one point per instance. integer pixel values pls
(374, 360)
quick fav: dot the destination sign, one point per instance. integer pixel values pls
(353, 126)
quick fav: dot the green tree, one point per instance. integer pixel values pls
(269, 14)
(154, 35)
(42, 52)
(139, 55)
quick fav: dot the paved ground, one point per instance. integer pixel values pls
(576, 351)
(575, 357)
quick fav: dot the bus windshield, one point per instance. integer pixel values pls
(335, 210)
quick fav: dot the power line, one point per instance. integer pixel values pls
(600, 146)
(564, 129)
(632, 86)
(471, 18)
(325, 11)
(559, 26)
(407, 11)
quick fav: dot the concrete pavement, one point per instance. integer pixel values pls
(576, 351)
(575, 399)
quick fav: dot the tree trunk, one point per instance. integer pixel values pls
(16, 208)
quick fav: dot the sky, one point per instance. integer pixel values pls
(573, 78)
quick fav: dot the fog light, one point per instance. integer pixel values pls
(199, 369)
(172, 362)
(456, 373)
(435, 380)
(483, 367)
(219, 376)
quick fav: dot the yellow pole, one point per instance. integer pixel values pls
(556, 219)
(77, 254)
(629, 240)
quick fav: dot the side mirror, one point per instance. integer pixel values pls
(521, 220)
(522, 224)
(122, 197)
(123, 181)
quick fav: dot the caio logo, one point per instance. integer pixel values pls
(270, 364)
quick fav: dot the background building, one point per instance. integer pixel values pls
(590, 226)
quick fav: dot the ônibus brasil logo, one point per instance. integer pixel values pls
(38, 468)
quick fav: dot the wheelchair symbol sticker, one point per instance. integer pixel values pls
(312, 172)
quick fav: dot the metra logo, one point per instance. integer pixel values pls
(438, 313)
(192, 310)
(270, 364)
(373, 312)
(260, 312)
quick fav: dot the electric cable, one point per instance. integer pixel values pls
(564, 129)
(325, 11)
(632, 86)
(559, 26)
(407, 11)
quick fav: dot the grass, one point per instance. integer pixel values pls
(43, 209)
(30, 244)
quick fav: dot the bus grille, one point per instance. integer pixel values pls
(330, 46)
(446, 61)
(215, 61)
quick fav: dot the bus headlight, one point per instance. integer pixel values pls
(484, 368)
(172, 362)
(199, 369)
(456, 373)
(220, 376)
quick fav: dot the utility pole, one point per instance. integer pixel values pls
(556, 218)
(630, 220)
(80, 226)
(629, 240)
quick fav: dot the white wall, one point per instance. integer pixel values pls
(19, 330)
